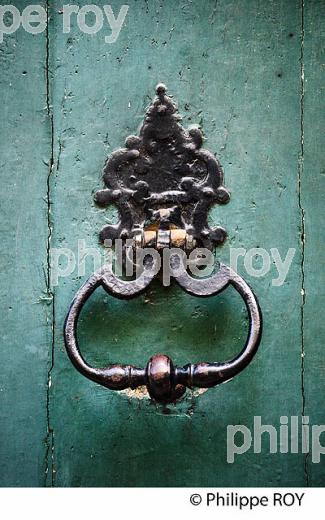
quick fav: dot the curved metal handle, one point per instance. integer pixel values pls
(165, 383)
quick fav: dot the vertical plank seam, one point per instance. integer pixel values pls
(49, 456)
(302, 225)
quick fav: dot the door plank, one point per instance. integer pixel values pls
(312, 207)
(234, 67)
(26, 305)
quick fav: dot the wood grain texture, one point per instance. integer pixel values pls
(26, 315)
(234, 67)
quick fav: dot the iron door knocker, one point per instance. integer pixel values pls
(163, 184)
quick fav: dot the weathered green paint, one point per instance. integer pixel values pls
(26, 315)
(235, 68)
(312, 204)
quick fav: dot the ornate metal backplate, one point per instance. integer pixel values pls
(164, 179)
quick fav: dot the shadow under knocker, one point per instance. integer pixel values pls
(163, 185)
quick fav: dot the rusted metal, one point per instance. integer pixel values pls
(164, 185)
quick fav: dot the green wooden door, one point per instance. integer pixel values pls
(250, 74)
